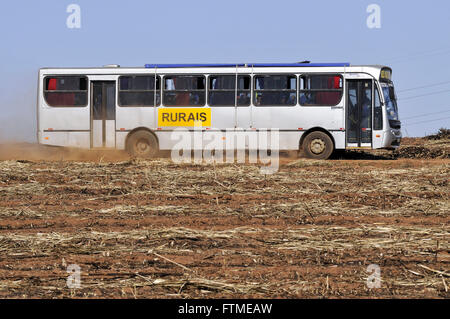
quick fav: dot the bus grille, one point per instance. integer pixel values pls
(395, 124)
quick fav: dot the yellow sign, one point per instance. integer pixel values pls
(386, 74)
(184, 116)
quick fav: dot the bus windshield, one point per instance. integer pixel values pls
(390, 100)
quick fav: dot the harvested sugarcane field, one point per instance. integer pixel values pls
(156, 229)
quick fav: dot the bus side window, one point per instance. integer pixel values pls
(222, 90)
(320, 90)
(139, 90)
(275, 90)
(65, 91)
(184, 90)
(377, 111)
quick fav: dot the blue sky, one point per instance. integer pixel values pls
(414, 40)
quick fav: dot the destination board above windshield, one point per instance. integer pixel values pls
(386, 75)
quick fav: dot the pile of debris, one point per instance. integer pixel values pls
(420, 152)
(442, 134)
(432, 146)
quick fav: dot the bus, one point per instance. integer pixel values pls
(316, 108)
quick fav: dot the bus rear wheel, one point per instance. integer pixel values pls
(142, 144)
(318, 145)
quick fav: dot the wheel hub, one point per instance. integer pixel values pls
(317, 146)
(142, 146)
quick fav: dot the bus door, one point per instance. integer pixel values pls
(359, 114)
(103, 114)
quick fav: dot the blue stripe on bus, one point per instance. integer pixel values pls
(299, 64)
(190, 65)
(162, 66)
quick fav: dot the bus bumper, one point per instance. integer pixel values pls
(392, 139)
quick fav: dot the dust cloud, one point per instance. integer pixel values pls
(18, 126)
(37, 152)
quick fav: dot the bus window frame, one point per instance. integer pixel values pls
(254, 90)
(377, 90)
(139, 74)
(320, 90)
(163, 88)
(234, 75)
(44, 85)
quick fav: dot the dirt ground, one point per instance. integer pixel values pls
(155, 229)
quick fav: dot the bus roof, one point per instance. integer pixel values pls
(374, 70)
(256, 65)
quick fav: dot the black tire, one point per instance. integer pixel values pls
(318, 145)
(142, 144)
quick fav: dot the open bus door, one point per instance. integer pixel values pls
(359, 114)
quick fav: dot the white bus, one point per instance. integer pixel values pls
(316, 107)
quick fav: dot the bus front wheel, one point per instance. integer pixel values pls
(318, 145)
(142, 144)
